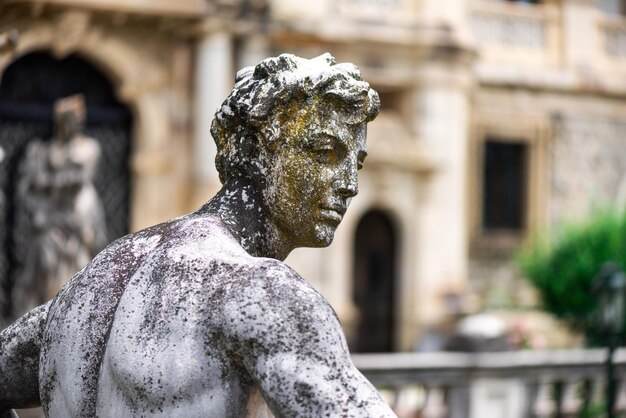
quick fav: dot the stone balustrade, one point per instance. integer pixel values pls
(613, 35)
(519, 384)
(508, 32)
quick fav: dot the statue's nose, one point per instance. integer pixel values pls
(347, 184)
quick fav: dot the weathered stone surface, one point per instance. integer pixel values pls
(199, 315)
(588, 164)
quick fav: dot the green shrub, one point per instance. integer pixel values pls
(563, 268)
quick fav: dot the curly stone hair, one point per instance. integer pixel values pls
(250, 115)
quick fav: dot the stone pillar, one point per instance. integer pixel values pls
(151, 167)
(214, 80)
(254, 48)
(581, 35)
(441, 121)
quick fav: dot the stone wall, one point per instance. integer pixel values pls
(588, 164)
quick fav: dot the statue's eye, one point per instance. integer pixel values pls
(325, 155)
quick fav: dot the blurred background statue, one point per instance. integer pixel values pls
(66, 223)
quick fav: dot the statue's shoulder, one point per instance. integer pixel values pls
(36, 149)
(202, 240)
(274, 289)
(270, 273)
(263, 277)
(280, 313)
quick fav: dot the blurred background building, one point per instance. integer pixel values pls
(498, 118)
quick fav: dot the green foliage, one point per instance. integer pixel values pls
(563, 268)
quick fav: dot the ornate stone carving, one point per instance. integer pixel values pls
(501, 29)
(615, 41)
(199, 315)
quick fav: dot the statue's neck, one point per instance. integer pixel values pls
(66, 134)
(240, 206)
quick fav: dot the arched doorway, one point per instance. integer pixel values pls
(375, 249)
(28, 88)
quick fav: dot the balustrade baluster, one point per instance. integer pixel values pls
(410, 400)
(544, 405)
(458, 400)
(598, 392)
(435, 405)
(532, 390)
(593, 396)
(571, 400)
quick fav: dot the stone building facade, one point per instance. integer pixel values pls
(499, 117)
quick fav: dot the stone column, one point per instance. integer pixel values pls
(254, 48)
(441, 120)
(151, 165)
(581, 35)
(214, 78)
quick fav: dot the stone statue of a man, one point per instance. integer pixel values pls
(199, 316)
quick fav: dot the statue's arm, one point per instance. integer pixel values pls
(20, 345)
(292, 345)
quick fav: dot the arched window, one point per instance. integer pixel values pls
(375, 249)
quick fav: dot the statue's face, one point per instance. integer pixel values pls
(313, 174)
(69, 123)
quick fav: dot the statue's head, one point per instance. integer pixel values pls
(69, 116)
(295, 130)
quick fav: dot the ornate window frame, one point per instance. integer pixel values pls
(533, 131)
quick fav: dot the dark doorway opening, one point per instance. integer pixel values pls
(28, 89)
(374, 283)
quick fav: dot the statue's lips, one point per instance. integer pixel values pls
(333, 213)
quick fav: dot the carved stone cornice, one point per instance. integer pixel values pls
(169, 8)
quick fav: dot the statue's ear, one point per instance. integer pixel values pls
(249, 153)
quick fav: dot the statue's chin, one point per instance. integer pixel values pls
(321, 236)
(324, 235)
